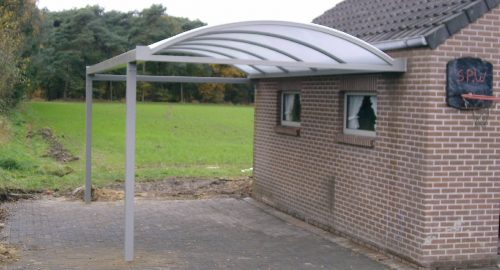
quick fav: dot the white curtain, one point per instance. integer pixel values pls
(289, 100)
(373, 100)
(355, 103)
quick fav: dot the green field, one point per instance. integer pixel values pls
(172, 140)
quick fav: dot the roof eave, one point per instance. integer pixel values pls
(399, 44)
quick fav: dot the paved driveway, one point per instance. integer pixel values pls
(201, 234)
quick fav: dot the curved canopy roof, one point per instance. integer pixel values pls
(263, 49)
(271, 49)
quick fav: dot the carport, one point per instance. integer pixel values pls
(261, 49)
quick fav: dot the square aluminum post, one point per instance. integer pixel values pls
(130, 161)
(88, 146)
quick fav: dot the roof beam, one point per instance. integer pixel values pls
(116, 62)
(176, 79)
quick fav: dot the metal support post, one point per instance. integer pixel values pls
(88, 146)
(130, 160)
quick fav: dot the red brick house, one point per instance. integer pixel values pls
(382, 158)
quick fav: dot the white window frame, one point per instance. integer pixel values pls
(350, 131)
(282, 103)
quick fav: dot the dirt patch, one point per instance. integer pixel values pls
(8, 254)
(195, 189)
(99, 194)
(175, 189)
(106, 194)
(56, 148)
(9, 195)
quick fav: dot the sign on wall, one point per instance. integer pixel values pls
(467, 75)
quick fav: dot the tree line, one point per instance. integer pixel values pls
(18, 27)
(43, 54)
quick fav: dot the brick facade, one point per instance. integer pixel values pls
(423, 189)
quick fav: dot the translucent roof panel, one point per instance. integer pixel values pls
(298, 50)
(275, 41)
(351, 53)
(260, 51)
(267, 49)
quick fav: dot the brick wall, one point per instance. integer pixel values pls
(462, 187)
(423, 189)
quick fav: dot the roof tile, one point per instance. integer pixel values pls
(382, 21)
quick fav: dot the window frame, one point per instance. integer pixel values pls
(286, 123)
(358, 132)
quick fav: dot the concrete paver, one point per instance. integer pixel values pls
(201, 234)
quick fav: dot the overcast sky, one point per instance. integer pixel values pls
(212, 11)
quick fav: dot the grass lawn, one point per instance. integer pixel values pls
(172, 140)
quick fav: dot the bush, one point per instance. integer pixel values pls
(9, 164)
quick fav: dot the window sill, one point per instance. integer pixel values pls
(362, 141)
(287, 130)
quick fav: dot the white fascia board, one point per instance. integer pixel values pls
(400, 66)
(325, 72)
(116, 62)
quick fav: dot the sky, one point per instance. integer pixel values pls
(212, 12)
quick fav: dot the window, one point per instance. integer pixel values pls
(360, 114)
(290, 109)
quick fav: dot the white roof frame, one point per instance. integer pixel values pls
(261, 49)
(285, 49)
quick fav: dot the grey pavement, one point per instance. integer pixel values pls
(203, 234)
